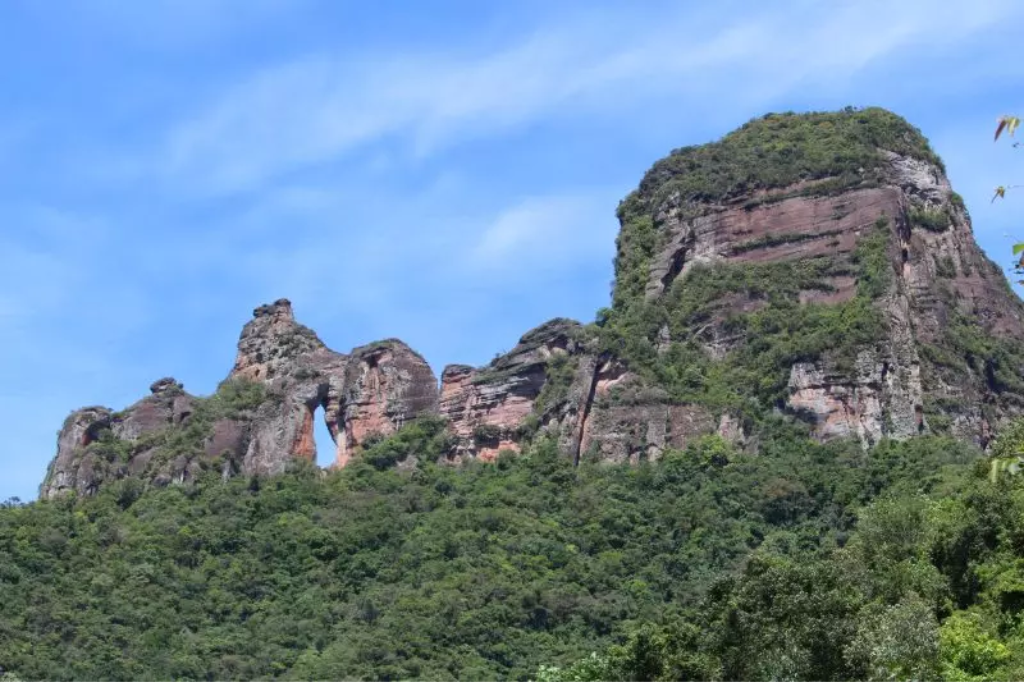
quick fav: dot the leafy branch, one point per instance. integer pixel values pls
(1008, 124)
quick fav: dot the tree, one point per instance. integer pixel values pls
(896, 642)
(1008, 451)
(968, 651)
(1009, 125)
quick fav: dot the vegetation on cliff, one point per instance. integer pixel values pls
(765, 340)
(665, 337)
(725, 331)
(832, 151)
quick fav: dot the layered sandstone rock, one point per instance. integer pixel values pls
(387, 384)
(167, 405)
(883, 394)
(371, 392)
(300, 374)
(488, 407)
(74, 469)
(931, 368)
(97, 445)
(555, 380)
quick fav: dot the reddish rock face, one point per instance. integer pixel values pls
(773, 230)
(168, 405)
(374, 390)
(487, 407)
(85, 445)
(387, 384)
(938, 274)
(228, 438)
(299, 373)
(549, 381)
(555, 380)
(72, 468)
(271, 343)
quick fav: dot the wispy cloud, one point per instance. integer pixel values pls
(317, 108)
(540, 231)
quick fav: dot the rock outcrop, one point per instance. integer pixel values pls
(556, 380)
(372, 391)
(387, 384)
(96, 444)
(866, 246)
(74, 467)
(167, 404)
(261, 418)
(490, 408)
(816, 266)
(299, 374)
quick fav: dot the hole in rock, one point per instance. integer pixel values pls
(326, 452)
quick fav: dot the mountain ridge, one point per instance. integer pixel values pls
(815, 266)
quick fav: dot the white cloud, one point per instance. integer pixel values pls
(317, 108)
(540, 230)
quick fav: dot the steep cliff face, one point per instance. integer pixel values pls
(74, 467)
(387, 384)
(372, 391)
(816, 267)
(300, 374)
(493, 408)
(820, 265)
(558, 380)
(96, 444)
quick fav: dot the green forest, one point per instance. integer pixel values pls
(804, 561)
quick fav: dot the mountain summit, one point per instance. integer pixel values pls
(812, 270)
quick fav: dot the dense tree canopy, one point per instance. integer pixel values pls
(806, 561)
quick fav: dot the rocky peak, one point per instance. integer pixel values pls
(95, 443)
(271, 343)
(262, 416)
(70, 470)
(387, 384)
(278, 311)
(167, 385)
(827, 255)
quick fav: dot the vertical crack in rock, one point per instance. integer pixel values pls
(585, 413)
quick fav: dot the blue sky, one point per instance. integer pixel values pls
(443, 172)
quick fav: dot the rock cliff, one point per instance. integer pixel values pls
(826, 257)
(816, 268)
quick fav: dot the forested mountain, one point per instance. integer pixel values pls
(785, 451)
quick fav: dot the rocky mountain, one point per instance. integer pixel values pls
(811, 270)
